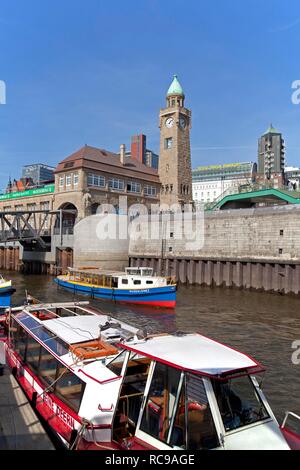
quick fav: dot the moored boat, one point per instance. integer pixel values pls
(135, 285)
(6, 291)
(103, 384)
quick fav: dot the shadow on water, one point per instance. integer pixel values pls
(263, 325)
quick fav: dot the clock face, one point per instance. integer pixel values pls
(182, 122)
(169, 122)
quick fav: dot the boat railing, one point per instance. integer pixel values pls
(288, 415)
(171, 280)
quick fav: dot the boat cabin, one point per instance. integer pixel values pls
(190, 392)
(99, 381)
(132, 278)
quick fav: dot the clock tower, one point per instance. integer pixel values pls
(175, 170)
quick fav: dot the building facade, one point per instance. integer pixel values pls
(92, 177)
(214, 181)
(39, 173)
(271, 154)
(175, 155)
(292, 177)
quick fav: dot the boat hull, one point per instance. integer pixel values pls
(5, 296)
(155, 296)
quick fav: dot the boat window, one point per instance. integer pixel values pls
(124, 281)
(19, 339)
(116, 364)
(69, 388)
(159, 407)
(146, 271)
(29, 322)
(136, 282)
(149, 282)
(47, 367)
(131, 395)
(42, 333)
(57, 345)
(33, 354)
(201, 431)
(238, 402)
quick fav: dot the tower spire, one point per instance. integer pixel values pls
(175, 88)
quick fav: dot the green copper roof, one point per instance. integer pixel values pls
(175, 87)
(272, 130)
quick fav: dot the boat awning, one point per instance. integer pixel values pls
(196, 353)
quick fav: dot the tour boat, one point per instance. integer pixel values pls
(100, 383)
(6, 291)
(135, 285)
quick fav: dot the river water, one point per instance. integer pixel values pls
(263, 325)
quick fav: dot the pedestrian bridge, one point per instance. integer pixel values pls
(264, 197)
(32, 227)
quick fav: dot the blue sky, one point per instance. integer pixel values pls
(97, 72)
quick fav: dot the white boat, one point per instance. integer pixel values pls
(103, 384)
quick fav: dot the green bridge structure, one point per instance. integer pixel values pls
(246, 200)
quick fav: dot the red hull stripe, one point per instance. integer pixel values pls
(158, 303)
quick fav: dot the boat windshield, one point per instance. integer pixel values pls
(239, 402)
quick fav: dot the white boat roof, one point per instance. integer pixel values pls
(77, 329)
(196, 353)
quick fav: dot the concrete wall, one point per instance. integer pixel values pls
(246, 248)
(101, 241)
(244, 234)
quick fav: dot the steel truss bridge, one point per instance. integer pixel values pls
(32, 227)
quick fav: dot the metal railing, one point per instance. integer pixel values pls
(289, 414)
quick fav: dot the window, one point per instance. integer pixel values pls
(96, 180)
(116, 184)
(75, 179)
(69, 388)
(133, 187)
(124, 281)
(33, 354)
(116, 364)
(68, 180)
(239, 403)
(131, 395)
(19, 339)
(69, 165)
(168, 143)
(45, 206)
(136, 282)
(159, 406)
(47, 367)
(61, 181)
(150, 190)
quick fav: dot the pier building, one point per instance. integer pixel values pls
(215, 181)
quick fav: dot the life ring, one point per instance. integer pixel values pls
(195, 406)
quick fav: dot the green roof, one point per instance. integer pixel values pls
(175, 87)
(272, 130)
(288, 196)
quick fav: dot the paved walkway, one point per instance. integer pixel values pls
(20, 428)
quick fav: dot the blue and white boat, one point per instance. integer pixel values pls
(135, 285)
(6, 291)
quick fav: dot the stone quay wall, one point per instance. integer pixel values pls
(246, 248)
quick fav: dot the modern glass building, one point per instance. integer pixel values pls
(38, 172)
